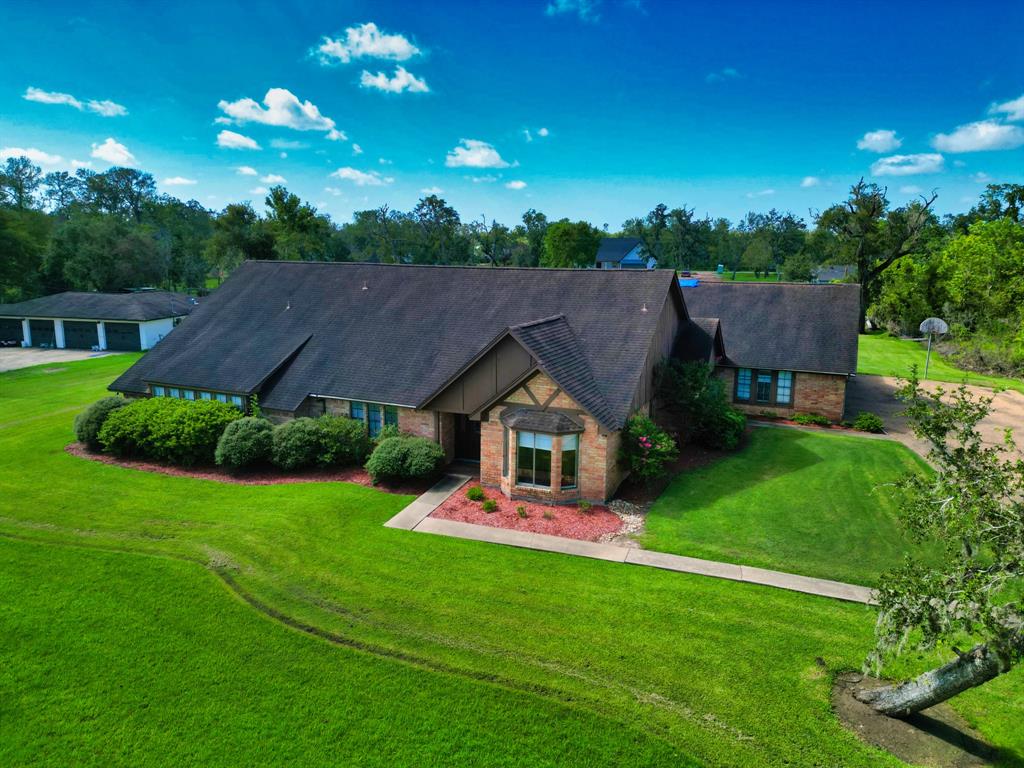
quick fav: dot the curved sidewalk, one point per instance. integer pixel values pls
(416, 517)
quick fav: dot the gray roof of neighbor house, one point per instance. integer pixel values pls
(138, 307)
(615, 248)
(782, 326)
(830, 272)
(396, 334)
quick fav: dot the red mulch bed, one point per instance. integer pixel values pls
(264, 476)
(566, 520)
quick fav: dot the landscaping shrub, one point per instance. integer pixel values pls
(388, 430)
(521, 511)
(547, 514)
(343, 441)
(811, 420)
(405, 458)
(89, 422)
(868, 422)
(584, 506)
(646, 448)
(296, 444)
(476, 493)
(489, 505)
(181, 432)
(245, 442)
(692, 393)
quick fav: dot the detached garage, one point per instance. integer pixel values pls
(101, 321)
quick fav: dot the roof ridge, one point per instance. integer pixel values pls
(480, 267)
(548, 319)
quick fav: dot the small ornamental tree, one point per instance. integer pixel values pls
(973, 506)
(646, 448)
(696, 399)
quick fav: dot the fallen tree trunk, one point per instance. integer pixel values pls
(971, 669)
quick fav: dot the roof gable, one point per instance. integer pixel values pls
(615, 249)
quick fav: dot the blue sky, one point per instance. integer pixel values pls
(595, 109)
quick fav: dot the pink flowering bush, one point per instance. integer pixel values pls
(646, 448)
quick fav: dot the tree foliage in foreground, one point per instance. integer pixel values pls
(973, 506)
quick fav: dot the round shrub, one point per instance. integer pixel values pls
(868, 422)
(489, 505)
(723, 429)
(388, 430)
(296, 443)
(245, 442)
(343, 441)
(646, 448)
(476, 493)
(405, 458)
(181, 432)
(89, 422)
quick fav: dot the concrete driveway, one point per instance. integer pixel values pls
(877, 394)
(12, 358)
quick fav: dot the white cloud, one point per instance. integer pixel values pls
(516, 185)
(543, 132)
(81, 164)
(982, 136)
(178, 181)
(810, 181)
(879, 141)
(246, 170)
(273, 178)
(527, 135)
(258, 191)
(232, 140)
(288, 144)
(282, 109)
(726, 73)
(587, 10)
(911, 189)
(37, 156)
(489, 179)
(106, 108)
(361, 178)
(333, 191)
(474, 154)
(907, 165)
(981, 177)
(1012, 109)
(431, 191)
(385, 161)
(113, 152)
(356, 149)
(103, 107)
(403, 80)
(365, 41)
(761, 193)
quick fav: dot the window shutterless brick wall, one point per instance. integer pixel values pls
(823, 393)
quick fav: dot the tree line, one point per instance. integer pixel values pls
(110, 231)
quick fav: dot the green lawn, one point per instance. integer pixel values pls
(748, 277)
(803, 502)
(885, 355)
(470, 652)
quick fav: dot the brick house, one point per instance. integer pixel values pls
(780, 348)
(531, 372)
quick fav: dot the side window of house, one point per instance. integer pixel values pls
(222, 397)
(236, 400)
(373, 421)
(190, 394)
(504, 451)
(764, 386)
(158, 391)
(390, 415)
(174, 392)
(355, 410)
(570, 463)
(784, 388)
(743, 376)
(206, 395)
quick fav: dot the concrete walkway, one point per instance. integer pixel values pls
(416, 517)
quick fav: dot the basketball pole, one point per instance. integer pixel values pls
(928, 356)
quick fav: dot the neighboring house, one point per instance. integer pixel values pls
(781, 348)
(623, 253)
(531, 372)
(80, 320)
(834, 273)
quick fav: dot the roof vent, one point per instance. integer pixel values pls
(643, 309)
(288, 305)
(366, 286)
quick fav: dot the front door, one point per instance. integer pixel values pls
(467, 438)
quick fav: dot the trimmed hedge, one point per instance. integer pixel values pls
(405, 458)
(343, 441)
(867, 421)
(90, 421)
(182, 432)
(296, 443)
(245, 442)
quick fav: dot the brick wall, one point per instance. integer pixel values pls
(599, 472)
(822, 393)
